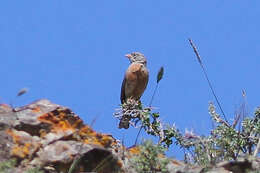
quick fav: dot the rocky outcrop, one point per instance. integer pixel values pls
(50, 136)
(54, 139)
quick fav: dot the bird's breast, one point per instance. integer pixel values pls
(136, 80)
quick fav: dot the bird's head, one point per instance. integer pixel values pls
(136, 57)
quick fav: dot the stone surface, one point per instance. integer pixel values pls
(50, 136)
(53, 138)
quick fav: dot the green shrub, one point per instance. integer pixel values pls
(7, 166)
(225, 142)
(34, 170)
(150, 159)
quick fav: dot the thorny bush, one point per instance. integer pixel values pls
(225, 142)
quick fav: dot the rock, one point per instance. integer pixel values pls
(51, 138)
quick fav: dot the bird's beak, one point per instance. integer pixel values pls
(128, 56)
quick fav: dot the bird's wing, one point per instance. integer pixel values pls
(130, 81)
(147, 77)
(122, 97)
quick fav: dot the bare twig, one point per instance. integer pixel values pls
(257, 148)
(206, 75)
(236, 120)
(241, 112)
(158, 79)
(136, 139)
(94, 120)
(123, 147)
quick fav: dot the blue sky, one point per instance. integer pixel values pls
(72, 53)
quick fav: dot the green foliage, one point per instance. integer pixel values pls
(132, 112)
(253, 171)
(75, 163)
(150, 159)
(233, 142)
(34, 170)
(7, 166)
(225, 142)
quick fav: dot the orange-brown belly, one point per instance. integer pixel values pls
(136, 81)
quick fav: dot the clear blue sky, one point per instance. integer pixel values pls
(72, 53)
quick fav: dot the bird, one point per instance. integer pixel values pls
(136, 77)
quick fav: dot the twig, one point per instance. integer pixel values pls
(136, 139)
(123, 144)
(19, 93)
(241, 112)
(94, 121)
(158, 79)
(257, 148)
(153, 94)
(206, 75)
